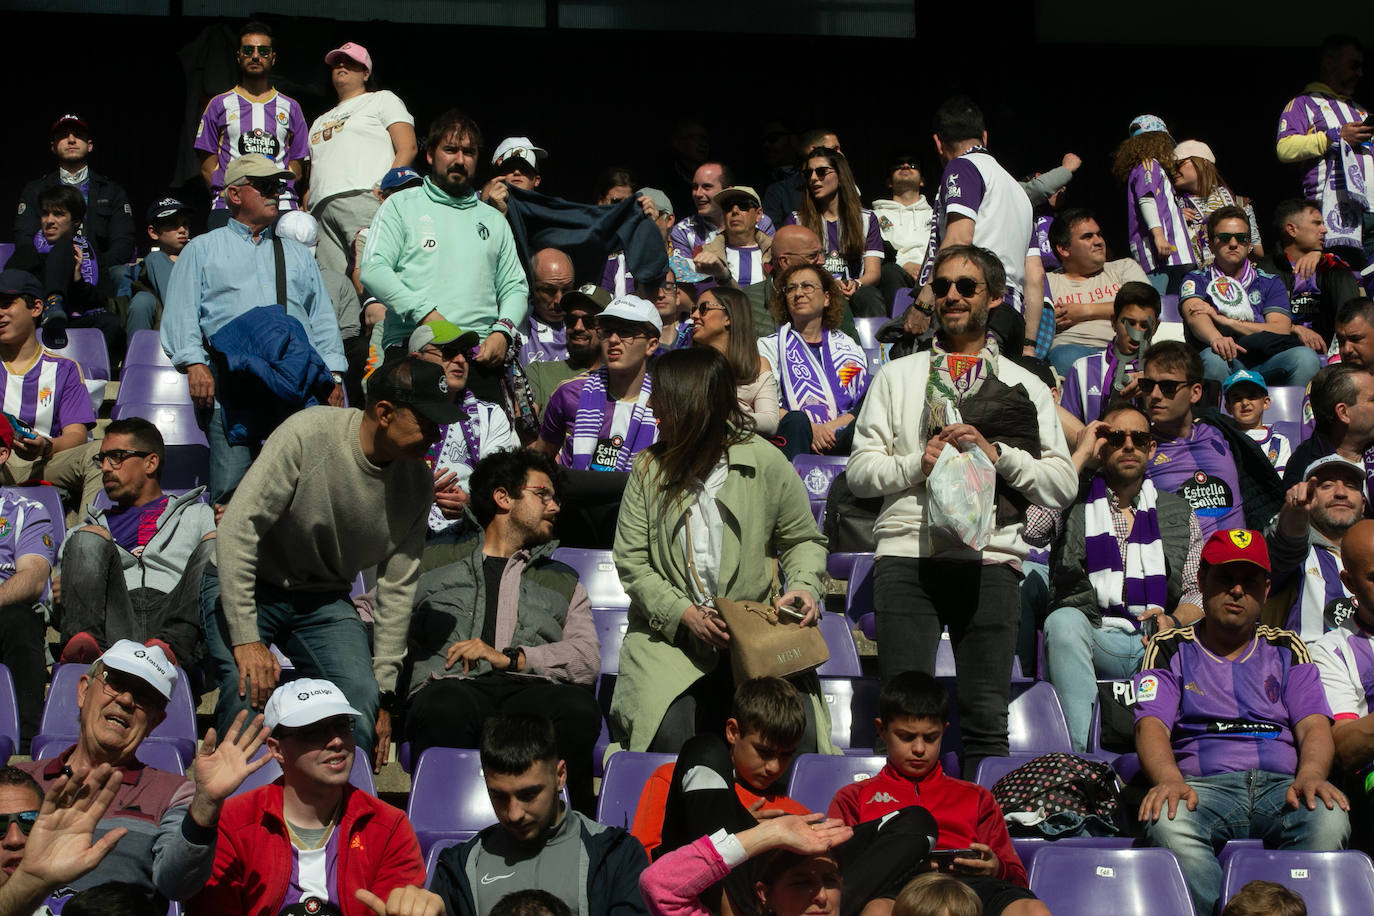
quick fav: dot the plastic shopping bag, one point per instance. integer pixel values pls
(962, 490)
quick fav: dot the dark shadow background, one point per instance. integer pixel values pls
(597, 98)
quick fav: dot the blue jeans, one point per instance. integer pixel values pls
(1240, 806)
(1076, 654)
(1063, 356)
(1295, 366)
(320, 632)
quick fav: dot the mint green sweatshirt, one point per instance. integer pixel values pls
(427, 250)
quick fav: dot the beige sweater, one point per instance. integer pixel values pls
(311, 513)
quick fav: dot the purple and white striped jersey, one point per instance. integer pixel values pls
(1087, 387)
(746, 264)
(1345, 659)
(616, 279)
(1228, 716)
(1324, 112)
(692, 232)
(48, 395)
(835, 262)
(234, 125)
(1151, 202)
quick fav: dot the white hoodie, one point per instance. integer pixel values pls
(906, 227)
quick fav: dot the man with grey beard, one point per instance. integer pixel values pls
(1305, 547)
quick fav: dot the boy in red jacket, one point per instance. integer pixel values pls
(912, 713)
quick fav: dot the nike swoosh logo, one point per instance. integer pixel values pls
(492, 879)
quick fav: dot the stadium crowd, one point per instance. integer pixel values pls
(371, 417)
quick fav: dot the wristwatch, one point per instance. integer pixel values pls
(512, 653)
(387, 700)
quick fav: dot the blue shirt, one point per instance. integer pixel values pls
(224, 273)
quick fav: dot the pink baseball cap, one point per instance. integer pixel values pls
(351, 50)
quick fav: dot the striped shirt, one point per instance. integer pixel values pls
(234, 125)
(48, 394)
(1152, 204)
(1345, 659)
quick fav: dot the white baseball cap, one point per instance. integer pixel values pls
(299, 226)
(635, 310)
(522, 148)
(147, 663)
(306, 701)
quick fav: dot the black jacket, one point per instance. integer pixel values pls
(109, 222)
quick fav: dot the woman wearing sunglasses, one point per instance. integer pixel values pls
(849, 234)
(723, 321)
(822, 371)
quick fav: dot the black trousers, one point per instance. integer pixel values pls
(22, 632)
(450, 712)
(876, 862)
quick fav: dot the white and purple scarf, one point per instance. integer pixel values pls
(824, 386)
(592, 406)
(1145, 583)
(90, 271)
(1344, 183)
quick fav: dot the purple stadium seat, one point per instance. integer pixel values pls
(1330, 883)
(87, 347)
(610, 630)
(432, 859)
(1285, 403)
(817, 777)
(1169, 308)
(51, 498)
(6, 249)
(991, 769)
(844, 654)
(853, 703)
(818, 512)
(188, 451)
(145, 349)
(61, 716)
(858, 597)
(902, 301)
(868, 332)
(627, 772)
(1124, 882)
(596, 570)
(360, 776)
(153, 385)
(818, 472)
(157, 754)
(840, 565)
(1035, 722)
(1028, 846)
(448, 799)
(9, 715)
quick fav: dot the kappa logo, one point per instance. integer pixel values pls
(879, 797)
(492, 879)
(357, 843)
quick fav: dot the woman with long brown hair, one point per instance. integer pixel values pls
(707, 509)
(1155, 226)
(1202, 191)
(723, 320)
(849, 234)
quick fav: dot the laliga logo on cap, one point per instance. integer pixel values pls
(302, 696)
(140, 654)
(1240, 538)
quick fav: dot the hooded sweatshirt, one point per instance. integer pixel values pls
(906, 227)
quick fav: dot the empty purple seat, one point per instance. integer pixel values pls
(627, 772)
(9, 715)
(1071, 879)
(448, 799)
(818, 472)
(87, 347)
(156, 385)
(1285, 403)
(868, 332)
(61, 716)
(1330, 883)
(902, 301)
(145, 349)
(1168, 310)
(817, 777)
(853, 703)
(840, 565)
(1035, 722)
(844, 654)
(6, 249)
(1027, 847)
(610, 630)
(858, 596)
(360, 776)
(596, 571)
(432, 859)
(157, 754)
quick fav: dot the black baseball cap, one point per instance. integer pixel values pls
(167, 206)
(418, 384)
(19, 283)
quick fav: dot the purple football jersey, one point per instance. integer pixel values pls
(25, 528)
(234, 125)
(1201, 470)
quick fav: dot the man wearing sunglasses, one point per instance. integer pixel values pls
(252, 118)
(691, 233)
(741, 253)
(482, 430)
(1124, 566)
(501, 628)
(1238, 316)
(20, 798)
(171, 820)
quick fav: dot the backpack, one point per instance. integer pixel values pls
(1061, 795)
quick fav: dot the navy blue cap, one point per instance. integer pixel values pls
(399, 178)
(19, 282)
(168, 206)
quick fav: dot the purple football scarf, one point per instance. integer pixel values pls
(591, 417)
(1146, 584)
(90, 272)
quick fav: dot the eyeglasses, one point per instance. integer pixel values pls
(667, 287)
(116, 457)
(966, 286)
(1116, 438)
(260, 50)
(267, 187)
(1226, 238)
(805, 286)
(25, 820)
(1167, 387)
(321, 732)
(144, 695)
(701, 308)
(819, 171)
(544, 493)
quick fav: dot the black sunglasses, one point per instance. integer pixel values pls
(1226, 238)
(1116, 438)
(262, 50)
(820, 171)
(25, 820)
(1167, 387)
(966, 286)
(266, 186)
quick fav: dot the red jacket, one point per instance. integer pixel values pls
(377, 850)
(965, 811)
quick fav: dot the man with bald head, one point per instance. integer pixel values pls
(691, 233)
(1305, 546)
(541, 338)
(1345, 659)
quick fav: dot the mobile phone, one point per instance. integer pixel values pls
(1369, 121)
(793, 611)
(21, 429)
(1149, 627)
(944, 858)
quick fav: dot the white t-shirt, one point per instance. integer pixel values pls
(976, 186)
(350, 149)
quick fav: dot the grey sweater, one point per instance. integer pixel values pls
(311, 513)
